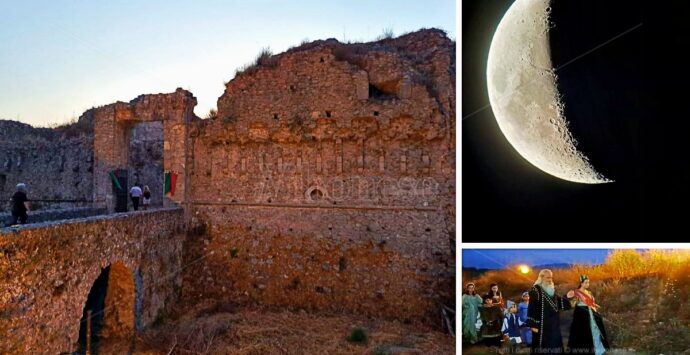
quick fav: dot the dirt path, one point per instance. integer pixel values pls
(230, 330)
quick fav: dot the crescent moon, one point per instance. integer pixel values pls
(524, 97)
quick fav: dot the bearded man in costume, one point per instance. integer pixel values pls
(543, 315)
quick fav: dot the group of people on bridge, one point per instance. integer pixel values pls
(137, 194)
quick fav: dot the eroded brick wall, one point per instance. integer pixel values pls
(47, 271)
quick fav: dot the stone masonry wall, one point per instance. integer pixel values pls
(330, 152)
(47, 270)
(390, 263)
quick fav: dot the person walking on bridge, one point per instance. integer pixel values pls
(20, 205)
(135, 192)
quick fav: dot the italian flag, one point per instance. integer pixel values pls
(170, 180)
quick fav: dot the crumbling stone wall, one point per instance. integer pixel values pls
(55, 166)
(309, 122)
(324, 152)
(47, 270)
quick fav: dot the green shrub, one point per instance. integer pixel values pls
(358, 336)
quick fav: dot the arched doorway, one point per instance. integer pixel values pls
(111, 306)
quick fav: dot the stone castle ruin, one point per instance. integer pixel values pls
(324, 181)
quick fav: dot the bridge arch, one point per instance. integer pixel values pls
(110, 309)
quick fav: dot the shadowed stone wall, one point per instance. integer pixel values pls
(146, 158)
(55, 164)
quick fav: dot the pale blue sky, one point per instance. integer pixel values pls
(59, 58)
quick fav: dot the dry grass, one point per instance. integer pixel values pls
(643, 295)
(212, 114)
(253, 331)
(265, 59)
(75, 128)
(386, 34)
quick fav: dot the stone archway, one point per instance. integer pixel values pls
(116, 124)
(111, 306)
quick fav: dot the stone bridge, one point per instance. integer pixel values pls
(51, 272)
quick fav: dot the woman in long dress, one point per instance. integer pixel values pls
(471, 302)
(587, 332)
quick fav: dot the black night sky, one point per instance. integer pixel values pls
(619, 111)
